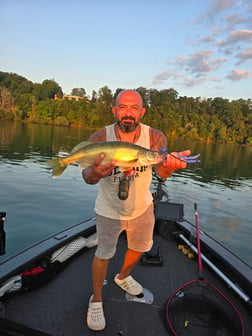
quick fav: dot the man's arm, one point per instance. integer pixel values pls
(158, 142)
(165, 168)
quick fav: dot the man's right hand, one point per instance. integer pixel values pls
(94, 173)
(100, 169)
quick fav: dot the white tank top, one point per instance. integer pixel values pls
(108, 203)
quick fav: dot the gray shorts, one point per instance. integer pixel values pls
(139, 233)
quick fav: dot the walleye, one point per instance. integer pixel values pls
(124, 154)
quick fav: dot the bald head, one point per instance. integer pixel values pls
(129, 94)
(128, 110)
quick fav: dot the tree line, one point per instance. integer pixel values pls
(212, 119)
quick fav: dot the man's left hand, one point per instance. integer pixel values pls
(176, 161)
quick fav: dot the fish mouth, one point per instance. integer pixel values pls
(159, 159)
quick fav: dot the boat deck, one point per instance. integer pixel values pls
(59, 307)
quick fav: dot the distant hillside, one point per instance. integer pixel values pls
(213, 119)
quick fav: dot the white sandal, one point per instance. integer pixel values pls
(95, 315)
(129, 285)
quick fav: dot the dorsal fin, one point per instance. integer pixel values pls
(81, 145)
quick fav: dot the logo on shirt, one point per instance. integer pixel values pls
(131, 174)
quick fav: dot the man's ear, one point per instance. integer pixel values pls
(114, 111)
(143, 112)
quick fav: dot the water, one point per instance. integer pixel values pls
(38, 205)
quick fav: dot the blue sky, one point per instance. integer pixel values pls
(201, 48)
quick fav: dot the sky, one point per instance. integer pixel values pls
(200, 48)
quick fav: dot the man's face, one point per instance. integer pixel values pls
(128, 110)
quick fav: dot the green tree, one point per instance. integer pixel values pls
(6, 103)
(80, 92)
(49, 88)
(104, 104)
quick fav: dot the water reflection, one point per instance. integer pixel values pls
(227, 164)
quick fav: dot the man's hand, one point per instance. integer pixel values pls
(94, 173)
(174, 160)
(100, 169)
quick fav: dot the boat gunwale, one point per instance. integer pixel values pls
(26, 257)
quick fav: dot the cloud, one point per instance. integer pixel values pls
(239, 19)
(239, 74)
(219, 87)
(234, 19)
(190, 82)
(240, 35)
(200, 62)
(215, 8)
(248, 6)
(224, 34)
(218, 6)
(192, 68)
(216, 79)
(206, 39)
(244, 55)
(236, 36)
(163, 76)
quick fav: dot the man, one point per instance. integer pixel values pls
(134, 212)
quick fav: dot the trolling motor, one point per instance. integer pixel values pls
(2, 233)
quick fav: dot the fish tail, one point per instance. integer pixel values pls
(57, 165)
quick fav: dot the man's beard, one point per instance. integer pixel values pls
(127, 127)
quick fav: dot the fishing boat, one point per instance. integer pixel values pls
(45, 289)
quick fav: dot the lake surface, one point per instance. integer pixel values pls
(38, 205)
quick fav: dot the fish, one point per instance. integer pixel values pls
(124, 155)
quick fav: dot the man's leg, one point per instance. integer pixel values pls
(131, 258)
(99, 271)
(95, 314)
(124, 279)
(140, 238)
